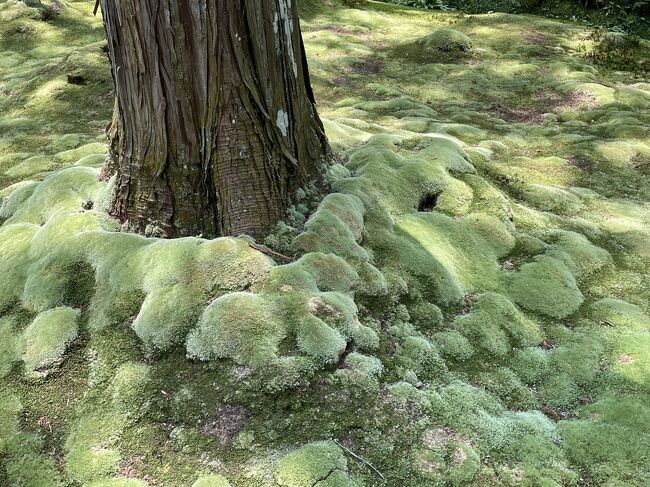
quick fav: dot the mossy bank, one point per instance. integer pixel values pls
(468, 306)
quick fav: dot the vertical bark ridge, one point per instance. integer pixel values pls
(215, 125)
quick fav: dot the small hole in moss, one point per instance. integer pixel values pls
(428, 202)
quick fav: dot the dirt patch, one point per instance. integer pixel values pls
(536, 38)
(369, 65)
(551, 101)
(544, 101)
(581, 163)
(516, 115)
(341, 81)
(226, 423)
(625, 359)
(641, 163)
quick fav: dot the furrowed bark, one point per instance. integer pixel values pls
(215, 124)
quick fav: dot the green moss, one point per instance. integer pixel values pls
(336, 227)
(117, 482)
(545, 286)
(494, 231)
(47, 338)
(419, 356)
(9, 411)
(89, 464)
(464, 465)
(426, 316)
(495, 326)
(619, 313)
(130, 386)
(61, 191)
(609, 441)
(240, 326)
(316, 272)
(310, 464)
(27, 466)
(318, 340)
(10, 350)
(211, 481)
(361, 371)
(453, 345)
(15, 196)
(439, 46)
(586, 258)
(550, 198)
(505, 385)
(455, 199)
(530, 364)
(91, 455)
(15, 241)
(166, 316)
(447, 256)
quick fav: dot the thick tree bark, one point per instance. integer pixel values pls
(215, 125)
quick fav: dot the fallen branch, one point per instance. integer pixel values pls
(360, 458)
(264, 249)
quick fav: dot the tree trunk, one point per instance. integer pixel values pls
(215, 126)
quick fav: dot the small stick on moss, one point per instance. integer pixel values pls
(360, 458)
(266, 250)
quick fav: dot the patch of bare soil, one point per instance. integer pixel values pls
(581, 163)
(536, 38)
(516, 115)
(369, 65)
(544, 101)
(226, 423)
(551, 101)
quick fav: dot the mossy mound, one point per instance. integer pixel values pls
(317, 464)
(546, 286)
(240, 326)
(47, 338)
(442, 45)
(495, 326)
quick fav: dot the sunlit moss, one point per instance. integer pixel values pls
(91, 455)
(545, 286)
(240, 326)
(211, 481)
(495, 326)
(310, 466)
(610, 439)
(47, 338)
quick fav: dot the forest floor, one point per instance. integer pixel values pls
(470, 305)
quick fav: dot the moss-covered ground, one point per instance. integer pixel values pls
(470, 305)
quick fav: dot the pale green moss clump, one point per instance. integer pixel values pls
(545, 286)
(551, 198)
(241, 326)
(453, 345)
(448, 257)
(314, 465)
(130, 386)
(117, 482)
(47, 338)
(618, 313)
(336, 227)
(425, 316)
(91, 446)
(9, 346)
(495, 326)
(211, 481)
(360, 371)
(585, 257)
